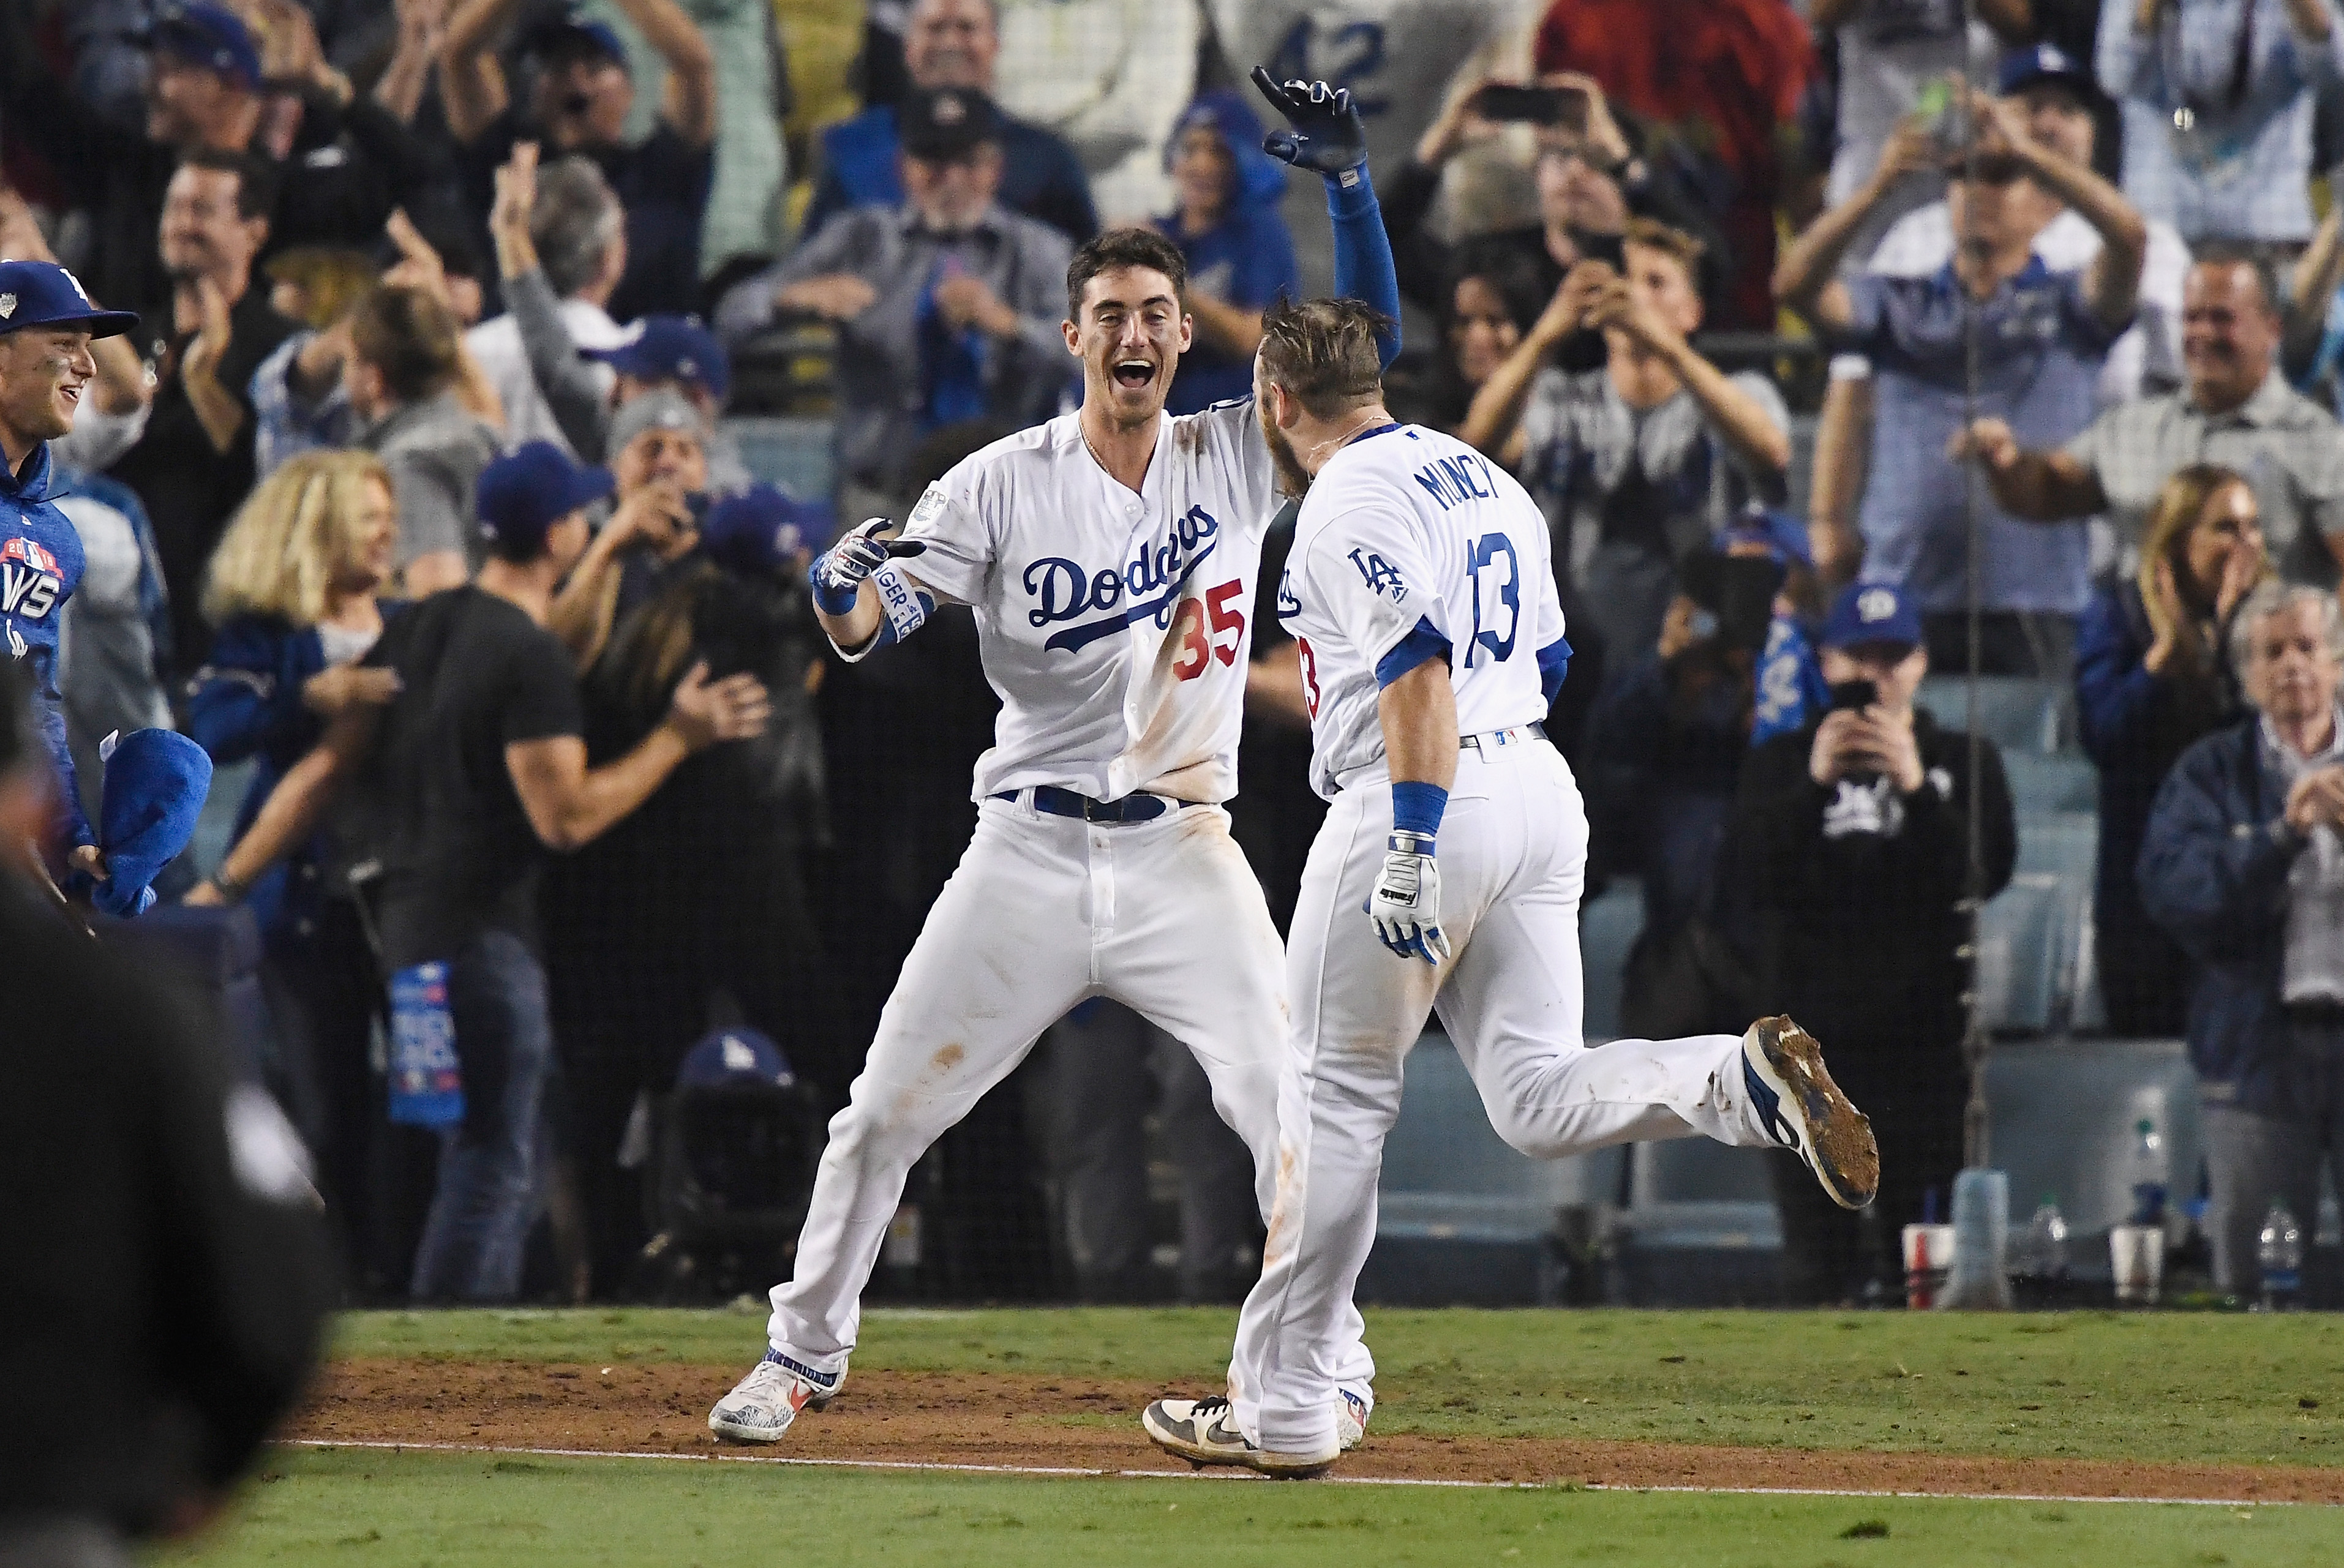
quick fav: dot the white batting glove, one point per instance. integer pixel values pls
(1406, 903)
(839, 572)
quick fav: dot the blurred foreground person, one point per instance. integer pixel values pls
(160, 1254)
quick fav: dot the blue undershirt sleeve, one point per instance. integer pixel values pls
(1363, 253)
(1553, 663)
(1420, 645)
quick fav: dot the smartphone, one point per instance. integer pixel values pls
(1565, 106)
(1857, 695)
(1936, 105)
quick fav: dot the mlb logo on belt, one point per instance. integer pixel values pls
(31, 554)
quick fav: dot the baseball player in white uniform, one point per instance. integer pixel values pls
(1110, 557)
(1422, 595)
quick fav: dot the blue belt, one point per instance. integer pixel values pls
(1066, 803)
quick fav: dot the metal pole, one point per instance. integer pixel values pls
(1976, 1133)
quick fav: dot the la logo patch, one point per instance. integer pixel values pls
(7, 306)
(1878, 604)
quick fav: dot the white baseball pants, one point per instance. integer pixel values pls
(1043, 913)
(1512, 858)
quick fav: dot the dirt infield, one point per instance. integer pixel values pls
(1012, 1419)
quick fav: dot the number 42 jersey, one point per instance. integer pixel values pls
(1410, 540)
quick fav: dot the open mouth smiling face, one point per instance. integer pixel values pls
(1131, 336)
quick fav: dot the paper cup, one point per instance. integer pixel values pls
(1928, 1261)
(2136, 1253)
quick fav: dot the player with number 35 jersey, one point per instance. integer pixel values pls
(1447, 875)
(1110, 557)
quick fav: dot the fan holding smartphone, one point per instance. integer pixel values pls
(1873, 657)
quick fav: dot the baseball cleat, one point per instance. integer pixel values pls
(1352, 1418)
(1203, 1432)
(762, 1405)
(1801, 1109)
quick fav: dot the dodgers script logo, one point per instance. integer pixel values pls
(29, 578)
(1148, 584)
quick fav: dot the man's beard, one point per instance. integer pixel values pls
(1292, 478)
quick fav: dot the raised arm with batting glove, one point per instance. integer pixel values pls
(1326, 137)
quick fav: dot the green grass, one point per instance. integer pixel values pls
(2141, 1386)
(373, 1510)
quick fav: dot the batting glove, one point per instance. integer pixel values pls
(840, 572)
(1326, 137)
(1406, 904)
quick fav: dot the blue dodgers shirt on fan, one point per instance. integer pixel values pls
(1114, 625)
(40, 566)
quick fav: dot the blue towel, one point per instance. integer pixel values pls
(156, 781)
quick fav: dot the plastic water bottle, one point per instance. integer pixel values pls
(2041, 1266)
(2280, 1253)
(2147, 1175)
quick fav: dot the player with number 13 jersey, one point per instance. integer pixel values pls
(1447, 875)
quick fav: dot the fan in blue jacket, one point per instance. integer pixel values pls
(46, 323)
(2243, 864)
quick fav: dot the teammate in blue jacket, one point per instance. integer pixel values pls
(47, 325)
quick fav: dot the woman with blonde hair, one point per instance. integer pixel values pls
(292, 593)
(2151, 677)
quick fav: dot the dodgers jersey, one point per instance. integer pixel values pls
(41, 564)
(1112, 625)
(1412, 537)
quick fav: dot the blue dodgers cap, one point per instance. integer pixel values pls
(1872, 613)
(762, 528)
(2023, 69)
(42, 294)
(1784, 536)
(730, 1058)
(672, 348)
(525, 493)
(209, 35)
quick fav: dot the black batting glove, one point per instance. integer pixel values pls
(1326, 134)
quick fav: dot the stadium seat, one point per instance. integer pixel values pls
(215, 828)
(1608, 927)
(2043, 786)
(2035, 972)
(1462, 1218)
(793, 453)
(1699, 1229)
(2018, 955)
(2019, 713)
(2062, 1121)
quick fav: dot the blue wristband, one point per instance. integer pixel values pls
(1416, 808)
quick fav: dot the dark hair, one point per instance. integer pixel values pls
(1324, 352)
(409, 336)
(2242, 253)
(1508, 273)
(256, 177)
(1117, 249)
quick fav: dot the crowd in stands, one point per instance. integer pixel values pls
(418, 489)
